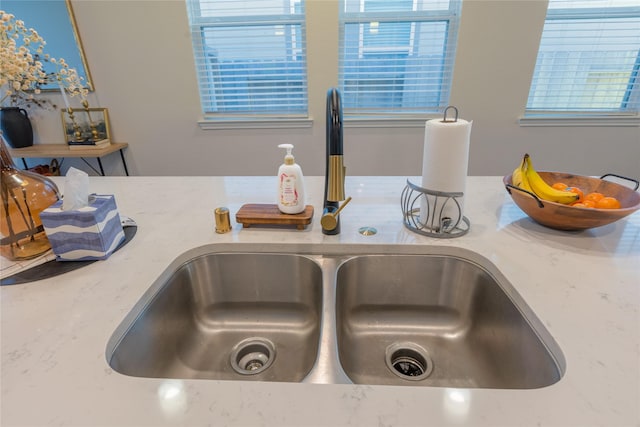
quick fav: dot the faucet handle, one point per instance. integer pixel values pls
(329, 220)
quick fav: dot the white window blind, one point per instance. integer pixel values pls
(589, 58)
(250, 56)
(397, 56)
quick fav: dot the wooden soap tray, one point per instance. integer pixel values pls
(268, 214)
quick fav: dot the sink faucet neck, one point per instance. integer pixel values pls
(335, 170)
(334, 123)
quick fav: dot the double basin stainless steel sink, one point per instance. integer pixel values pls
(371, 314)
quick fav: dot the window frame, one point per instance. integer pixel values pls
(372, 118)
(277, 121)
(229, 120)
(540, 117)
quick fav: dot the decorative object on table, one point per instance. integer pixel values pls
(56, 23)
(82, 227)
(92, 125)
(86, 127)
(16, 127)
(444, 170)
(24, 196)
(52, 169)
(22, 77)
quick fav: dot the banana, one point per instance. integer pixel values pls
(544, 190)
(519, 178)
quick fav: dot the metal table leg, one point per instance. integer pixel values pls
(124, 162)
(101, 171)
(100, 164)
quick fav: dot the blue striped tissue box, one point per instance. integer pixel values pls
(89, 233)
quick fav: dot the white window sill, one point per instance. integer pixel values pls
(371, 122)
(255, 123)
(387, 121)
(580, 120)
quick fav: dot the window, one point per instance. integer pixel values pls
(589, 58)
(250, 56)
(397, 56)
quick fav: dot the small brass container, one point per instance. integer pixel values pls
(223, 223)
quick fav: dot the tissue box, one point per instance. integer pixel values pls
(89, 233)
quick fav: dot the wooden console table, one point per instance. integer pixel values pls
(48, 151)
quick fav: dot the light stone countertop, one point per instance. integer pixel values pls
(583, 286)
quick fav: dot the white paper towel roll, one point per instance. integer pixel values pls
(444, 168)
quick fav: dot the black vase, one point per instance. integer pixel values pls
(16, 127)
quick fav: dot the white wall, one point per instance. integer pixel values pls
(141, 61)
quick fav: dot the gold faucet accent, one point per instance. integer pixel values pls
(329, 220)
(337, 172)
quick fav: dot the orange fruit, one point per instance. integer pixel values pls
(577, 191)
(608, 203)
(594, 196)
(559, 186)
(584, 204)
(589, 203)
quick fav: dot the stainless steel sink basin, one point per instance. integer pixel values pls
(226, 316)
(437, 321)
(364, 314)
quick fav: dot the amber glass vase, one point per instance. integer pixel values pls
(24, 195)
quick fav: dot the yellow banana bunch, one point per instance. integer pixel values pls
(518, 177)
(527, 178)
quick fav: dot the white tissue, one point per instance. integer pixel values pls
(76, 190)
(444, 167)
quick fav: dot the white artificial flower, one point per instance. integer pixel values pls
(21, 64)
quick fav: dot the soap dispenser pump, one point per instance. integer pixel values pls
(291, 196)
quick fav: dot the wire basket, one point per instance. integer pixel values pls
(432, 221)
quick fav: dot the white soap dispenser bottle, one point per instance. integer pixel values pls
(291, 197)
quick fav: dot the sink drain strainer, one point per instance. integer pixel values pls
(409, 361)
(252, 356)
